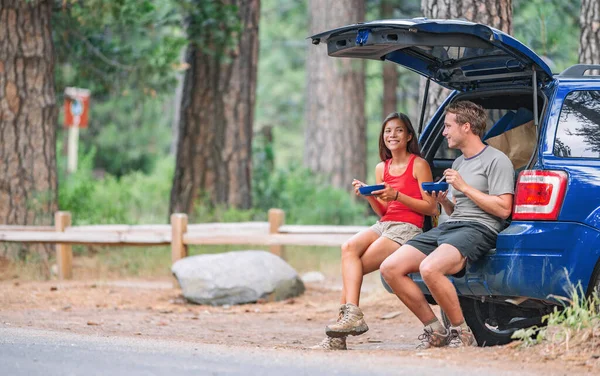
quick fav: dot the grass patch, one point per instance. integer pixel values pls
(155, 262)
(573, 328)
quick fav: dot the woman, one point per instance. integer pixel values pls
(401, 206)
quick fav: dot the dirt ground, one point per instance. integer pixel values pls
(155, 309)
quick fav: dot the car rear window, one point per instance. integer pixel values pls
(578, 134)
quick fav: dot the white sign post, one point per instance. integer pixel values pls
(76, 116)
(74, 137)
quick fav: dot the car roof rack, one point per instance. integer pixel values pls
(578, 70)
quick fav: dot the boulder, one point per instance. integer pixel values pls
(236, 278)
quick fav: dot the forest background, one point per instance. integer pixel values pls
(136, 57)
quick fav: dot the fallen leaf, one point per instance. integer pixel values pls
(92, 323)
(372, 340)
(53, 288)
(391, 315)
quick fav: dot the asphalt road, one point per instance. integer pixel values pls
(37, 352)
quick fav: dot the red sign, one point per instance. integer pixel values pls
(77, 107)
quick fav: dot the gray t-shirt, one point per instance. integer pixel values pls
(490, 172)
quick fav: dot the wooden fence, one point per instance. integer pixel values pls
(179, 234)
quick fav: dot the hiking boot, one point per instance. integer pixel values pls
(330, 343)
(432, 338)
(351, 323)
(461, 337)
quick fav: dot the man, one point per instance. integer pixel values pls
(482, 183)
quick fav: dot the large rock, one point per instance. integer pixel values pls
(236, 278)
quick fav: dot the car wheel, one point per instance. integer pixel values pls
(480, 318)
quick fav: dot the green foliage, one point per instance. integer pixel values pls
(134, 198)
(129, 133)
(107, 46)
(550, 28)
(569, 325)
(305, 197)
(211, 25)
(280, 90)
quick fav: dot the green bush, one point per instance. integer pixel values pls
(135, 198)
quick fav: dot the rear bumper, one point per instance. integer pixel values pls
(532, 259)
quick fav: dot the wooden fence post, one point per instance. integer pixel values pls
(179, 224)
(64, 252)
(276, 220)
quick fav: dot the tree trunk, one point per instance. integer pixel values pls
(214, 152)
(495, 13)
(335, 135)
(589, 40)
(390, 70)
(28, 118)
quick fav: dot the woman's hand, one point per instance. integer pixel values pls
(357, 184)
(386, 194)
(440, 196)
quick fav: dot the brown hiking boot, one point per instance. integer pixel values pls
(351, 323)
(432, 338)
(460, 337)
(330, 343)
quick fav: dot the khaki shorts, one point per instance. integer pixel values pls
(400, 232)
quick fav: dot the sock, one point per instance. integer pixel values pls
(436, 325)
(463, 325)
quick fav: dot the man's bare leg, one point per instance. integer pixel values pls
(445, 260)
(395, 270)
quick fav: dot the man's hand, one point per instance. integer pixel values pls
(454, 179)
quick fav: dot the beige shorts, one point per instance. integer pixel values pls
(400, 232)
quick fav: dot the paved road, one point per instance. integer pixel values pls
(34, 352)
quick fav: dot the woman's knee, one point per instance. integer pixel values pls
(350, 248)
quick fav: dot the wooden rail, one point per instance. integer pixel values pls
(179, 234)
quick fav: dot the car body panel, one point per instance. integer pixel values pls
(456, 54)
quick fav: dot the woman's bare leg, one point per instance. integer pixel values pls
(352, 268)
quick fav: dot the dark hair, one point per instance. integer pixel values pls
(412, 146)
(469, 112)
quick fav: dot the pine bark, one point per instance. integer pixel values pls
(589, 39)
(335, 136)
(495, 13)
(214, 150)
(28, 117)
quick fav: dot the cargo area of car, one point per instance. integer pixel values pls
(511, 127)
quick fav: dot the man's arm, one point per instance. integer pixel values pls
(499, 206)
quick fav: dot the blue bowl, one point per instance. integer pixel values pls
(366, 190)
(438, 187)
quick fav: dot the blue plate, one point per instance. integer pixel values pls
(438, 187)
(366, 190)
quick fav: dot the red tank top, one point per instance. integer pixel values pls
(408, 185)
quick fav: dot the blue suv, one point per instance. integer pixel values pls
(548, 124)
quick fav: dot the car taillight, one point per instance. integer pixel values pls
(539, 194)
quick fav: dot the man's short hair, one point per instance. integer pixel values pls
(469, 112)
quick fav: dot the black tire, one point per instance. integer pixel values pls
(477, 316)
